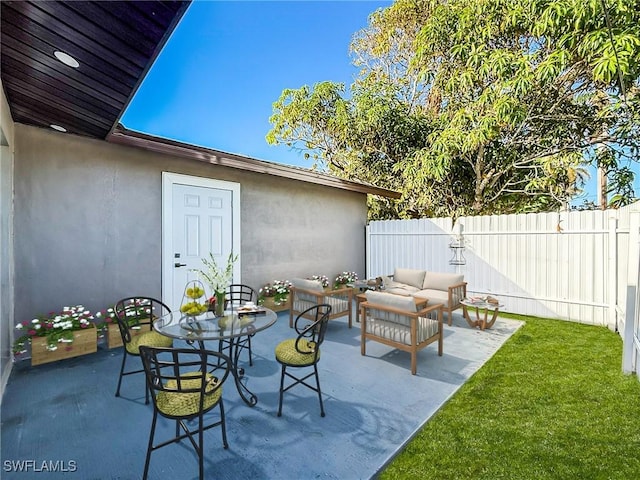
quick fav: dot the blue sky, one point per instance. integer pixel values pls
(215, 81)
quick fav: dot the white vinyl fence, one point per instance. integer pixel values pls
(579, 266)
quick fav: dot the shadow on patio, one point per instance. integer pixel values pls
(66, 416)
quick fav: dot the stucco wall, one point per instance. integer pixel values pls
(6, 239)
(88, 222)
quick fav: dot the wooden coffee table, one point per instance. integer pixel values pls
(480, 321)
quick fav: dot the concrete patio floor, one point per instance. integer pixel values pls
(65, 414)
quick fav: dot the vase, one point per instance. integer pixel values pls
(219, 308)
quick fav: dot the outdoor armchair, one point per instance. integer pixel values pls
(394, 320)
(305, 294)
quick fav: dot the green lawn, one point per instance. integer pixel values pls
(553, 403)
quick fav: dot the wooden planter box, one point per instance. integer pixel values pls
(114, 339)
(270, 304)
(84, 342)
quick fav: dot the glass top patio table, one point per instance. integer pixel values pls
(232, 326)
(209, 327)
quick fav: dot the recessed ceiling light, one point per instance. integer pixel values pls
(58, 127)
(66, 59)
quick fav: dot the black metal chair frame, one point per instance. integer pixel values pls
(166, 370)
(314, 332)
(121, 308)
(236, 295)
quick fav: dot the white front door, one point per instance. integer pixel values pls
(199, 218)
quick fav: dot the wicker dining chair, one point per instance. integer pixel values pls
(135, 316)
(185, 384)
(304, 350)
(236, 295)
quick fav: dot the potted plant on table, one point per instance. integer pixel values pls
(218, 279)
(277, 291)
(345, 278)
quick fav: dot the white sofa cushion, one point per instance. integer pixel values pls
(385, 299)
(387, 282)
(307, 299)
(434, 296)
(404, 290)
(409, 276)
(398, 302)
(440, 281)
(307, 284)
(397, 288)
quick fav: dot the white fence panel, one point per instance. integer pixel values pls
(631, 327)
(567, 265)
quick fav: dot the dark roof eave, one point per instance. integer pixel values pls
(167, 34)
(152, 143)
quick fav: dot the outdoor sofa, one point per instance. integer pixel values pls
(436, 287)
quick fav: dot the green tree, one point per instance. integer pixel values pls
(493, 106)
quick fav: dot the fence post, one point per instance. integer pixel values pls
(367, 251)
(631, 329)
(612, 262)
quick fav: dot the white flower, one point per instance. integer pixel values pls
(217, 278)
(35, 320)
(37, 327)
(19, 326)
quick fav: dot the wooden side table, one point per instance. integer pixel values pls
(480, 321)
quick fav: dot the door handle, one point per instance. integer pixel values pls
(177, 265)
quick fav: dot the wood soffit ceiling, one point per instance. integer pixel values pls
(115, 43)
